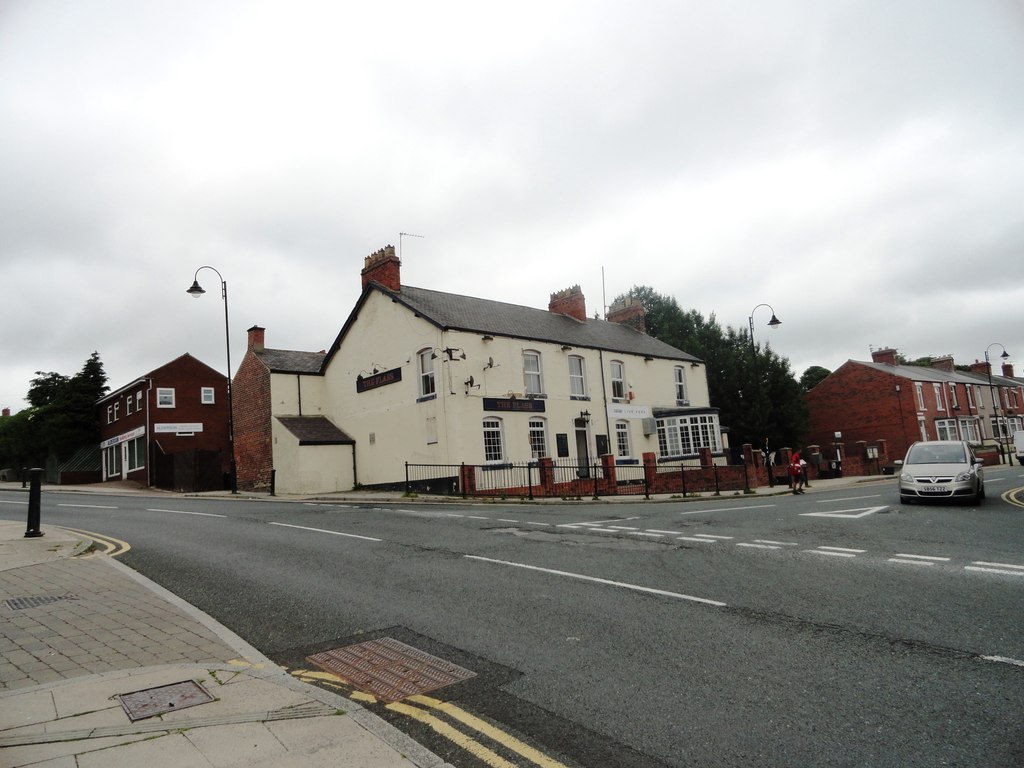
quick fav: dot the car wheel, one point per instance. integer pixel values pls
(981, 492)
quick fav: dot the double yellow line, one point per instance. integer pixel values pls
(109, 544)
(436, 714)
(1010, 497)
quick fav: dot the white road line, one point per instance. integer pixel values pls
(757, 546)
(833, 554)
(182, 512)
(909, 562)
(534, 522)
(602, 530)
(452, 514)
(612, 520)
(850, 498)
(623, 527)
(477, 517)
(646, 533)
(778, 543)
(999, 565)
(728, 509)
(86, 506)
(506, 520)
(712, 536)
(844, 549)
(1004, 660)
(596, 580)
(993, 570)
(923, 557)
(13, 502)
(321, 530)
(668, 533)
(694, 538)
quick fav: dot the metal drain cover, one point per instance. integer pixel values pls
(165, 698)
(389, 669)
(18, 603)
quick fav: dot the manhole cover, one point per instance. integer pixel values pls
(165, 698)
(18, 603)
(389, 669)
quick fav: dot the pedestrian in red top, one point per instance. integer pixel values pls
(796, 474)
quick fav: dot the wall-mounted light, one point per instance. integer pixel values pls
(487, 337)
(647, 358)
(585, 416)
(566, 347)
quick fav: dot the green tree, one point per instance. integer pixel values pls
(813, 376)
(775, 409)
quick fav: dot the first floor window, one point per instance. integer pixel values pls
(680, 384)
(577, 377)
(953, 401)
(164, 397)
(618, 380)
(494, 443)
(622, 439)
(206, 395)
(128, 403)
(426, 371)
(532, 378)
(946, 429)
(923, 426)
(538, 439)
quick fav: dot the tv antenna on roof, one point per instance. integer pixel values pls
(400, 236)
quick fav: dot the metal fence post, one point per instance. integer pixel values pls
(407, 478)
(647, 486)
(462, 478)
(593, 471)
(714, 470)
(682, 476)
(529, 480)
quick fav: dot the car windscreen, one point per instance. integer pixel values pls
(937, 454)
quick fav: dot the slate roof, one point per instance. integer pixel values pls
(315, 430)
(466, 313)
(923, 373)
(291, 361)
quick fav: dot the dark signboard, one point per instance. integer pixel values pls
(514, 405)
(382, 379)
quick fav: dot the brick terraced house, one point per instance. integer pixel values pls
(432, 378)
(884, 402)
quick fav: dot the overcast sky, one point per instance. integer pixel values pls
(858, 166)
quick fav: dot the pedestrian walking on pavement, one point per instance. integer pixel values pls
(796, 474)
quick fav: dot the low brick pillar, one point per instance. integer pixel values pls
(608, 466)
(650, 469)
(546, 466)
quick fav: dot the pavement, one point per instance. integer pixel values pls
(99, 666)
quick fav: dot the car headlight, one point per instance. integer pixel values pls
(906, 477)
(967, 474)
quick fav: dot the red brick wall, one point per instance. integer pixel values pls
(187, 376)
(254, 451)
(863, 404)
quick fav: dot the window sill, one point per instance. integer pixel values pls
(580, 397)
(425, 398)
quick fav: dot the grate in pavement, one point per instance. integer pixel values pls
(389, 669)
(18, 603)
(162, 699)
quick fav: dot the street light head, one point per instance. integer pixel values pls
(1005, 354)
(196, 290)
(774, 322)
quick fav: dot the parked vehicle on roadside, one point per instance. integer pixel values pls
(941, 469)
(1018, 443)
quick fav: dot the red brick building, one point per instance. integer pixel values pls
(168, 428)
(885, 403)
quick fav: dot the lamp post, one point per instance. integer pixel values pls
(758, 425)
(992, 394)
(195, 292)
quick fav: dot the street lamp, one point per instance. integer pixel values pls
(195, 292)
(992, 394)
(758, 425)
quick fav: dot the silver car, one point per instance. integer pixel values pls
(941, 469)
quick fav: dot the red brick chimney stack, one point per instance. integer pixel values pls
(256, 338)
(884, 356)
(6, 412)
(944, 363)
(383, 267)
(979, 367)
(569, 302)
(628, 312)
(1008, 370)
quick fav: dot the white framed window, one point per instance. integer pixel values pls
(919, 389)
(954, 402)
(684, 435)
(112, 461)
(618, 371)
(538, 438)
(164, 397)
(425, 369)
(969, 428)
(979, 396)
(494, 440)
(1000, 427)
(128, 403)
(937, 391)
(110, 414)
(680, 380)
(532, 378)
(970, 396)
(117, 410)
(945, 429)
(922, 426)
(136, 453)
(206, 395)
(1013, 398)
(577, 377)
(622, 448)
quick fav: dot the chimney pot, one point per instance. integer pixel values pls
(256, 338)
(383, 267)
(569, 302)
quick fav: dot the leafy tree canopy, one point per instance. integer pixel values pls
(813, 376)
(757, 408)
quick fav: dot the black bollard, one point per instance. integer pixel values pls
(34, 503)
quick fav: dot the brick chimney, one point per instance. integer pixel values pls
(884, 356)
(6, 413)
(944, 363)
(979, 367)
(256, 338)
(1008, 370)
(628, 312)
(383, 267)
(569, 302)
